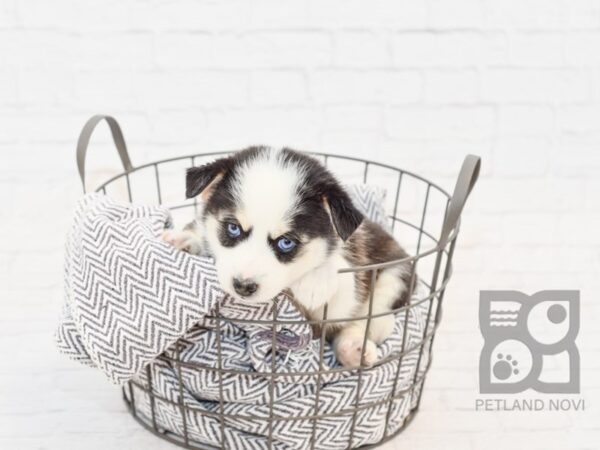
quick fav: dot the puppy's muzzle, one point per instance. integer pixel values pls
(245, 287)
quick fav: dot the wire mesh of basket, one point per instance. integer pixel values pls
(423, 217)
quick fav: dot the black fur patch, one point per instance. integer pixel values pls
(226, 240)
(282, 256)
(320, 185)
(371, 244)
(311, 220)
(223, 198)
(198, 178)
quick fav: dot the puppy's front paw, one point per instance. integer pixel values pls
(348, 350)
(181, 240)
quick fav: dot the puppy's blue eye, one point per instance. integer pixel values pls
(234, 230)
(286, 245)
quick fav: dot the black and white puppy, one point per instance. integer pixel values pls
(278, 219)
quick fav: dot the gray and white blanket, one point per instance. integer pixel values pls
(134, 305)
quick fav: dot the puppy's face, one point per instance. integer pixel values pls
(270, 217)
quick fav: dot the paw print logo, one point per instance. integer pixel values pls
(505, 367)
(523, 336)
(511, 361)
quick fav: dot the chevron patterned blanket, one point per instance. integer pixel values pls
(134, 306)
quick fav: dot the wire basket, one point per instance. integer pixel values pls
(424, 218)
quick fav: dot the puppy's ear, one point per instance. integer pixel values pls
(344, 216)
(204, 179)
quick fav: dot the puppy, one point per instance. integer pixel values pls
(278, 219)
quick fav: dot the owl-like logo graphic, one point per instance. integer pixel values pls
(529, 342)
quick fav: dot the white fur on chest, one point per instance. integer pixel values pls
(325, 285)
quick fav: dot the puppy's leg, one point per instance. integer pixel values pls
(348, 344)
(389, 287)
(187, 240)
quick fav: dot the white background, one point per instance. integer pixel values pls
(417, 84)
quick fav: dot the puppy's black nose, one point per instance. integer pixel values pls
(244, 287)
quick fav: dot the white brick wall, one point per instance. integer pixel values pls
(416, 84)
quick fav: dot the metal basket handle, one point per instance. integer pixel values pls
(467, 178)
(84, 140)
